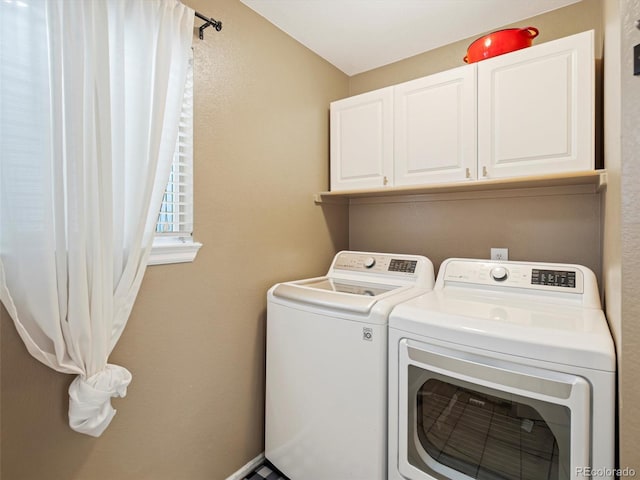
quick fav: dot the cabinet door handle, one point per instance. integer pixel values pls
(484, 172)
(468, 173)
(385, 180)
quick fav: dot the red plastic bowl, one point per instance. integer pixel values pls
(500, 42)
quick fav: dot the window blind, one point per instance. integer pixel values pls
(176, 211)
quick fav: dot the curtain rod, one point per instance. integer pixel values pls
(209, 22)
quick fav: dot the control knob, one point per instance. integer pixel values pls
(499, 274)
(369, 262)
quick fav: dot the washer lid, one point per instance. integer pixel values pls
(359, 297)
(520, 326)
(344, 286)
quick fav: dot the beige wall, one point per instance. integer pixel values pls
(195, 340)
(630, 239)
(611, 198)
(538, 225)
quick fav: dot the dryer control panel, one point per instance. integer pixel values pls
(531, 276)
(553, 278)
(563, 282)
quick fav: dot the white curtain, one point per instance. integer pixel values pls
(90, 97)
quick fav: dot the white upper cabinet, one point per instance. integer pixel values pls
(536, 109)
(435, 128)
(362, 141)
(526, 113)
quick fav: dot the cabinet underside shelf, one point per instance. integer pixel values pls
(596, 178)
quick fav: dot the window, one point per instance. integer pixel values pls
(174, 230)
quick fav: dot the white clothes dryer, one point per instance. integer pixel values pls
(505, 370)
(326, 391)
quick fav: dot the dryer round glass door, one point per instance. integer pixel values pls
(478, 418)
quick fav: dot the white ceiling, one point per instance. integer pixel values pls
(359, 35)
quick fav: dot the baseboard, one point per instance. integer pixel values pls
(247, 469)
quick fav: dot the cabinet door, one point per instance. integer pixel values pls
(435, 128)
(536, 109)
(362, 141)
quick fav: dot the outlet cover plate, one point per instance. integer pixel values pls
(499, 254)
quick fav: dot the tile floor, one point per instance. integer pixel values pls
(265, 471)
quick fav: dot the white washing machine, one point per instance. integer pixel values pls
(326, 392)
(504, 371)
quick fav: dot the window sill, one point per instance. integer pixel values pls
(173, 250)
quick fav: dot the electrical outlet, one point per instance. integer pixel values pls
(499, 254)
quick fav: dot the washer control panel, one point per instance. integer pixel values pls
(376, 263)
(536, 276)
(397, 269)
